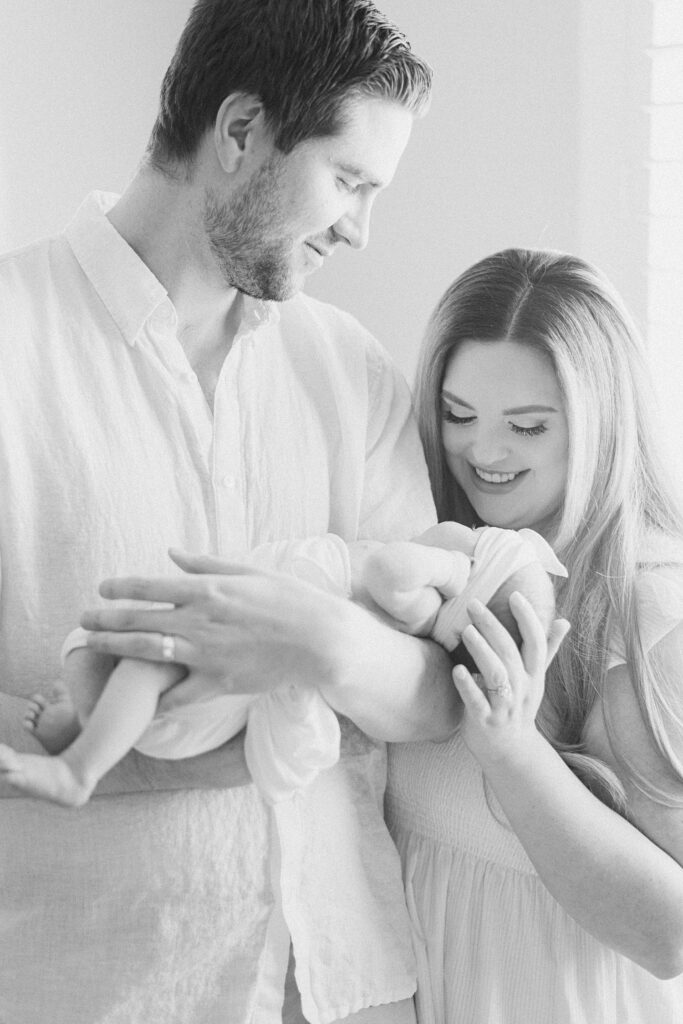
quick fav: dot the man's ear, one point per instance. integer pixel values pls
(240, 123)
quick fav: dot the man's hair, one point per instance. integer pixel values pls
(302, 58)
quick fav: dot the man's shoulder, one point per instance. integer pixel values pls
(30, 264)
(327, 327)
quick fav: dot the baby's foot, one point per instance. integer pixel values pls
(49, 778)
(52, 719)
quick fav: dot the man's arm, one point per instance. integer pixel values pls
(250, 631)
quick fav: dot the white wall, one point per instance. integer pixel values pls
(511, 152)
(79, 81)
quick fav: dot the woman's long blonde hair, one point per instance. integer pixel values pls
(616, 495)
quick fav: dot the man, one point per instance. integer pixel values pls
(165, 384)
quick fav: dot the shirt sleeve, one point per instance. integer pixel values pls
(397, 502)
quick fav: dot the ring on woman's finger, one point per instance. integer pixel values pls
(504, 690)
(168, 647)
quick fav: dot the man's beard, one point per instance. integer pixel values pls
(244, 236)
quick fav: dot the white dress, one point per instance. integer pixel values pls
(493, 946)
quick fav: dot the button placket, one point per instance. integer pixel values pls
(231, 527)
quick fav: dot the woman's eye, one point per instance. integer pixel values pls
(450, 417)
(347, 186)
(539, 428)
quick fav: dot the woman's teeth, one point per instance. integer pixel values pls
(494, 478)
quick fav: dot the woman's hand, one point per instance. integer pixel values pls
(500, 710)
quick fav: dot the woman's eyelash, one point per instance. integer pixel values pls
(452, 418)
(540, 428)
(463, 421)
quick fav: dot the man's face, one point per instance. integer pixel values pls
(295, 208)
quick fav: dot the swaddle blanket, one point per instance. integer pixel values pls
(496, 554)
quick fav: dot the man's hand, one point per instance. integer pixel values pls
(247, 629)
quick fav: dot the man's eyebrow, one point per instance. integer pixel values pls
(357, 172)
(519, 410)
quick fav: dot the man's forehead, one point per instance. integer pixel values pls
(372, 138)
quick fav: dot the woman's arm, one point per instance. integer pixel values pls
(622, 882)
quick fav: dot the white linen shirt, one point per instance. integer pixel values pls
(161, 907)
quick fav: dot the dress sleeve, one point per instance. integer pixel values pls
(659, 596)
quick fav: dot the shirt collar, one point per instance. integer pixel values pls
(126, 285)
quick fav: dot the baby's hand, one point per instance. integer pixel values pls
(408, 581)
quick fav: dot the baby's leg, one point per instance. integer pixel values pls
(56, 716)
(409, 581)
(123, 712)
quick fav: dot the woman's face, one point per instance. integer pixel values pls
(505, 433)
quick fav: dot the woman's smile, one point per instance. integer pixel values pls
(493, 481)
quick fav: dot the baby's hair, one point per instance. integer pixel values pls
(533, 582)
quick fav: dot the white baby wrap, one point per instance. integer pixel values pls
(496, 554)
(292, 733)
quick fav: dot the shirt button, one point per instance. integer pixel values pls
(229, 481)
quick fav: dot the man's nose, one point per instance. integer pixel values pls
(354, 226)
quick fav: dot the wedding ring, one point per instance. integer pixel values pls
(505, 690)
(168, 647)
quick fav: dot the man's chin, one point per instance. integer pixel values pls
(272, 289)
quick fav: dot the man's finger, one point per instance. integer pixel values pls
(147, 646)
(163, 590)
(203, 564)
(129, 620)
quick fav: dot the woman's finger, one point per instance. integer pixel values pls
(534, 643)
(494, 632)
(558, 631)
(471, 694)
(487, 660)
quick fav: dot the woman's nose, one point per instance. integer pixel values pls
(488, 449)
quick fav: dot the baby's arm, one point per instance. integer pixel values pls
(409, 581)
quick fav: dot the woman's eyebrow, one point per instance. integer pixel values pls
(521, 409)
(454, 398)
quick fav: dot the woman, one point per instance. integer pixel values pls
(542, 845)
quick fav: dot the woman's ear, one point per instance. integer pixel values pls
(239, 125)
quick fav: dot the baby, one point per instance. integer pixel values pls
(421, 586)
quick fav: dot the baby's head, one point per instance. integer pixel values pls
(534, 583)
(502, 561)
